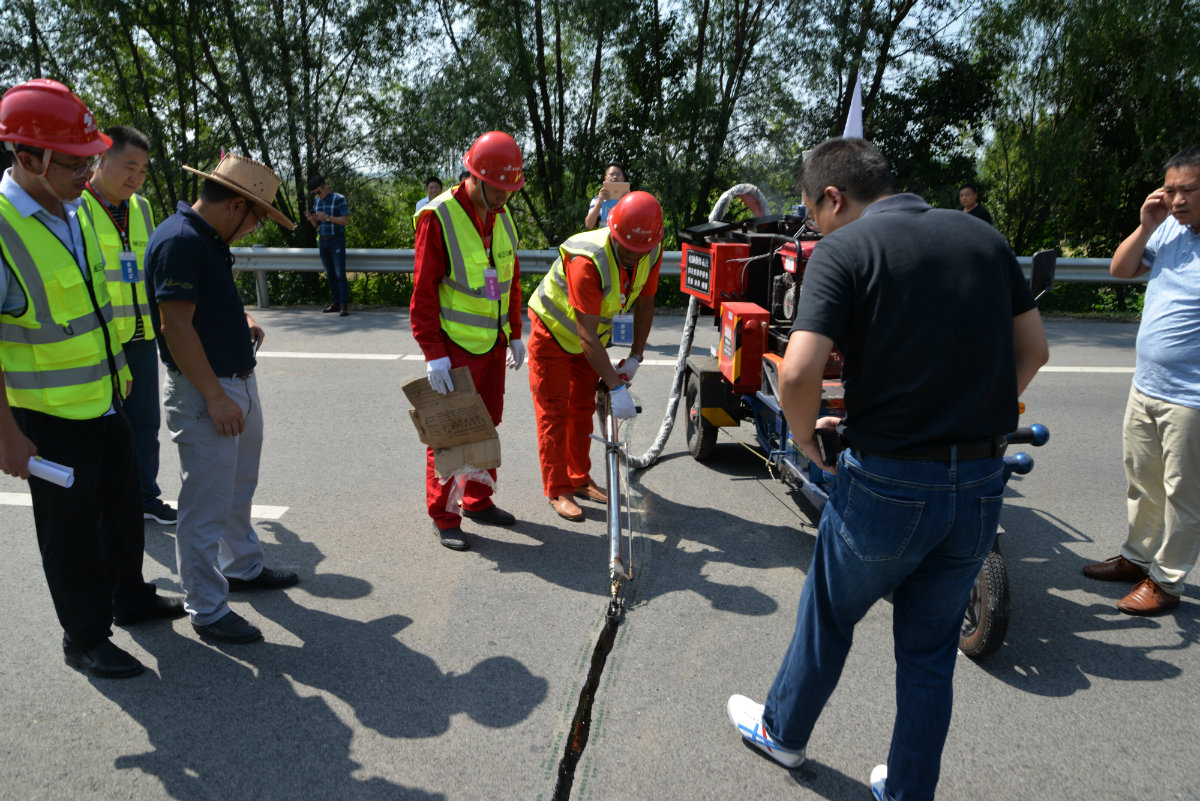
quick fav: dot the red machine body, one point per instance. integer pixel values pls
(788, 256)
(743, 341)
(714, 272)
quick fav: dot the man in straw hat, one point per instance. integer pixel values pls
(211, 395)
(63, 373)
(466, 308)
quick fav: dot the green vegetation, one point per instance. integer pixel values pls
(1063, 111)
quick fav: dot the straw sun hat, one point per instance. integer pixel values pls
(253, 181)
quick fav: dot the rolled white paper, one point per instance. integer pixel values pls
(53, 472)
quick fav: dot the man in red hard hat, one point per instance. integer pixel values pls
(65, 375)
(599, 289)
(466, 308)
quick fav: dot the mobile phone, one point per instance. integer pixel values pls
(829, 445)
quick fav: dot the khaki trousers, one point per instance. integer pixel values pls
(1162, 466)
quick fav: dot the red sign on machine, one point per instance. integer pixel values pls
(743, 340)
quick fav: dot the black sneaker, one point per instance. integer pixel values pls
(491, 516)
(268, 579)
(453, 538)
(232, 627)
(161, 512)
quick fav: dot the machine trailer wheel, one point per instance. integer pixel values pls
(701, 434)
(986, 621)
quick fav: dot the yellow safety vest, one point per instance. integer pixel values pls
(551, 300)
(471, 320)
(128, 300)
(60, 351)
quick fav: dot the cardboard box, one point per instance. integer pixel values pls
(456, 425)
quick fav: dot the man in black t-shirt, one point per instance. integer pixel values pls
(210, 394)
(968, 196)
(940, 335)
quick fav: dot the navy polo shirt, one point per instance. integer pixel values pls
(186, 260)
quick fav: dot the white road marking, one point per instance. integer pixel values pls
(284, 354)
(257, 511)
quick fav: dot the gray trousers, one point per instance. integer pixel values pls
(214, 537)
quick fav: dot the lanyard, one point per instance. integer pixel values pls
(122, 230)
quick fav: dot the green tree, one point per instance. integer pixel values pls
(1097, 94)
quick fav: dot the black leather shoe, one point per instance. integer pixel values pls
(453, 538)
(231, 628)
(157, 608)
(104, 661)
(268, 579)
(491, 516)
(332, 307)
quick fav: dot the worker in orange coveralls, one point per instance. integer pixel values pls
(600, 288)
(466, 307)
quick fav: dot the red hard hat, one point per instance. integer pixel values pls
(496, 159)
(45, 114)
(637, 222)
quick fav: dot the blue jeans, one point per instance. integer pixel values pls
(333, 257)
(917, 530)
(145, 416)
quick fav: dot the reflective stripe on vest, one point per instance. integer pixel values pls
(55, 352)
(468, 318)
(551, 300)
(128, 299)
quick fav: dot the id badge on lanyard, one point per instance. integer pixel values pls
(130, 272)
(622, 330)
(491, 283)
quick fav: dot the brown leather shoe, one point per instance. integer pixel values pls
(1147, 598)
(1116, 569)
(592, 492)
(567, 508)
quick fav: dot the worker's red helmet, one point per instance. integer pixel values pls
(495, 159)
(637, 222)
(45, 114)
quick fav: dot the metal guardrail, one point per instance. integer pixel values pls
(261, 261)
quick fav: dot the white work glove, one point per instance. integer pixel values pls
(516, 354)
(627, 367)
(438, 372)
(620, 404)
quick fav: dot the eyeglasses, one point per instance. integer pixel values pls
(260, 217)
(79, 170)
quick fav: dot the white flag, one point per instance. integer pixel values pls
(854, 129)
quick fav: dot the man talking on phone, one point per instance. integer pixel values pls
(924, 304)
(1162, 416)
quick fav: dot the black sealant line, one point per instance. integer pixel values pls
(581, 724)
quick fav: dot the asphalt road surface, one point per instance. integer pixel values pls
(398, 669)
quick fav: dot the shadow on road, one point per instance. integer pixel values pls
(246, 721)
(1055, 644)
(676, 546)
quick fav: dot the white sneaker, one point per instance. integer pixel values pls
(747, 716)
(878, 782)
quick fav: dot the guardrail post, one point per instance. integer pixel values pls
(260, 283)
